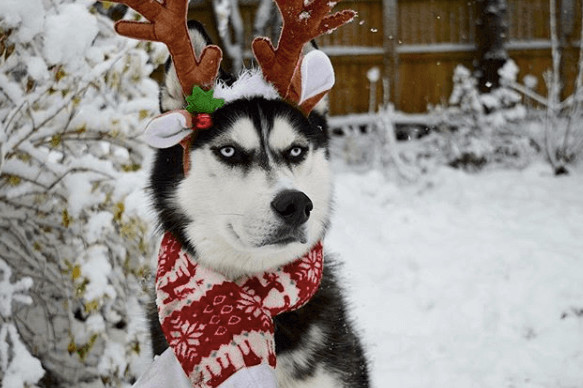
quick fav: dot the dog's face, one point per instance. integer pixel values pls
(257, 194)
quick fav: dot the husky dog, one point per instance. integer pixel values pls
(257, 196)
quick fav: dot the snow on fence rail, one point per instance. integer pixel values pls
(353, 122)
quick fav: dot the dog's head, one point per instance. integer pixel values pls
(257, 192)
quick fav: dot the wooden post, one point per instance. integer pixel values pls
(491, 34)
(391, 57)
(568, 36)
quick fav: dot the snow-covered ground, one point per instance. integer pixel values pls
(466, 280)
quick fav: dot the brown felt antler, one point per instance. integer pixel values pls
(302, 22)
(168, 25)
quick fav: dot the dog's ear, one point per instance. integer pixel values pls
(171, 96)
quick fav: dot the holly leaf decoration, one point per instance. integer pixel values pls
(201, 101)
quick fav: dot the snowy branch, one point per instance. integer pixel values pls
(227, 15)
(71, 114)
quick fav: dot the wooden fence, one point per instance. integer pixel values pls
(418, 43)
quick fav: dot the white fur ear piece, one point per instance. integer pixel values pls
(317, 74)
(168, 129)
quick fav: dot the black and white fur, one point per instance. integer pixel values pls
(259, 151)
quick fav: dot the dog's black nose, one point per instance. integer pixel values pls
(293, 207)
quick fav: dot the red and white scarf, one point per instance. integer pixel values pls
(216, 326)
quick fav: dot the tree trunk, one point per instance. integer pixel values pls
(391, 58)
(491, 34)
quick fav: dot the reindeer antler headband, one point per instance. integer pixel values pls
(167, 24)
(302, 22)
(300, 80)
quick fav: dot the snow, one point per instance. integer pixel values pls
(97, 269)
(530, 81)
(95, 324)
(12, 292)
(222, 13)
(37, 68)
(304, 15)
(373, 74)
(75, 21)
(465, 280)
(81, 193)
(509, 71)
(97, 226)
(534, 44)
(137, 202)
(352, 50)
(23, 370)
(73, 137)
(26, 15)
(434, 48)
(423, 119)
(19, 367)
(12, 91)
(113, 360)
(262, 16)
(137, 329)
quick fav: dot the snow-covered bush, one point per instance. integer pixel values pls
(473, 131)
(560, 119)
(74, 98)
(469, 107)
(476, 129)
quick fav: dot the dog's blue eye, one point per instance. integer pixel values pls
(227, 152)
(296, 152)
(232, 155)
